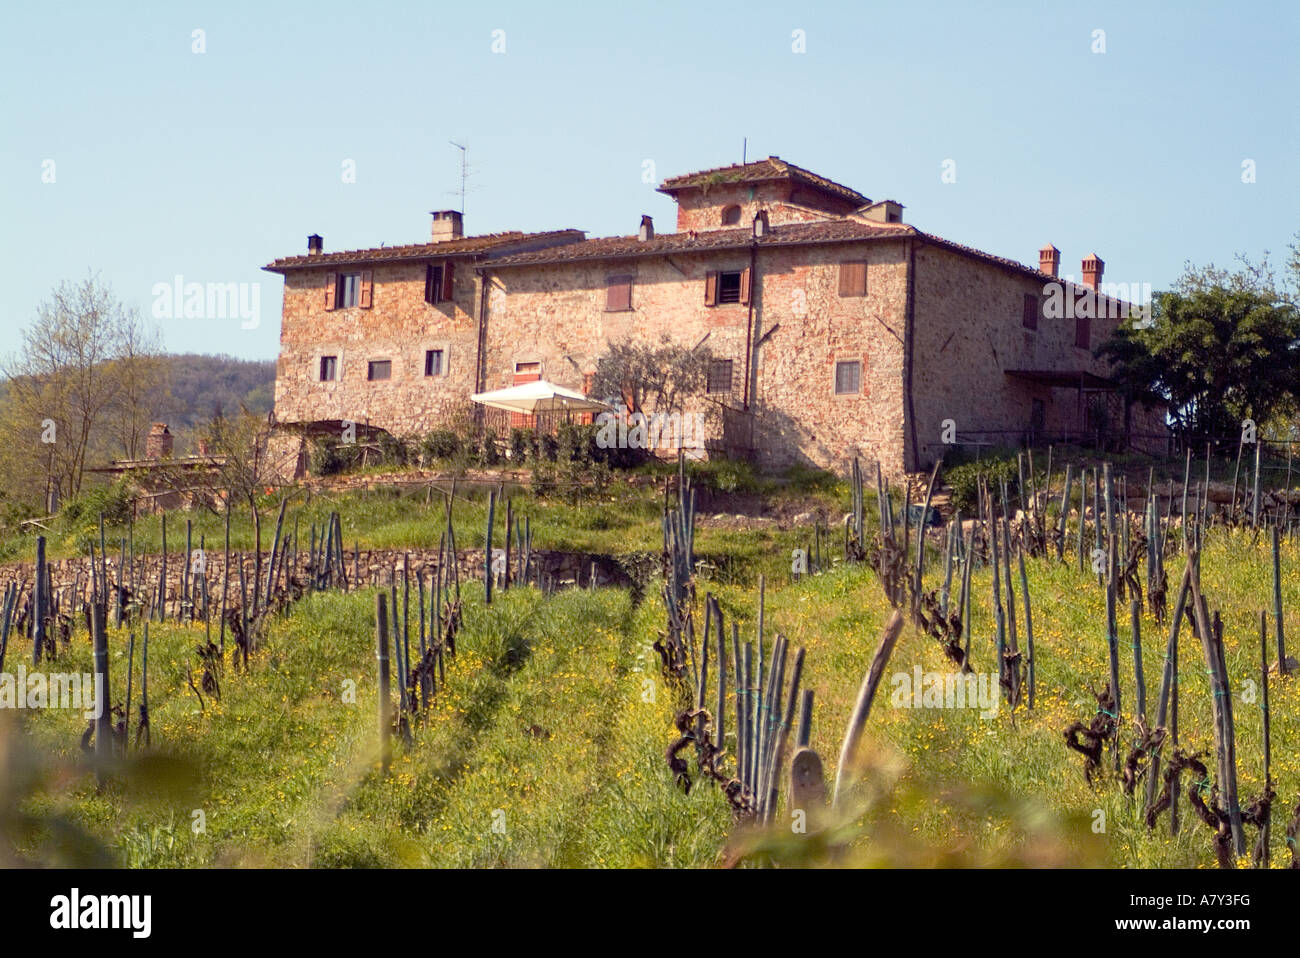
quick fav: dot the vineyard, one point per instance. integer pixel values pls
(1088, 669)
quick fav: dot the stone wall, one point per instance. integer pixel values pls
(400, 326)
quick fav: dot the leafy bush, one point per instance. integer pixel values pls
(442, 444)
(725, 475)
(964, 480)
(329, 457)
(111, 501)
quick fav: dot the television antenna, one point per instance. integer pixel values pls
(466, 172)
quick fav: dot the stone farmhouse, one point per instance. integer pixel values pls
(835, 328)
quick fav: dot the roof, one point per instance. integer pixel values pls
(469, 246)
(838, 230)
(761, 171)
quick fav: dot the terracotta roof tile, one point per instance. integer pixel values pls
(772, 168)
(467, 246)
(786, 234)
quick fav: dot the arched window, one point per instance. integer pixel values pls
(730, 215)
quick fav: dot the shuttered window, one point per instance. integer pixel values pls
(848, 377)
(439, 282)
(1029, 318)
(618, 294)
(349, 290)
(853, 279)
(329, 368)
(1083, 332)
(366, 285)
(433, 362)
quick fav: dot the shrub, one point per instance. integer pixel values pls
(964, 480)
(725, 475)
(442, 444)
(111, 501)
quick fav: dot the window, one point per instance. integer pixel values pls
(379, 369)
(731, 286)
(730, 215)
(719, 376)
(618, 294)
(344, 290)
(349, 290)
(439, 282)
(853, 279)
(1083, 331)
(329, 368)
(1031, 309)
(433, 362)
(848, 377)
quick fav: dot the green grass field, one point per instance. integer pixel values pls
(547, 746)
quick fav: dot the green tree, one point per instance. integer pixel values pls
(1221, 347)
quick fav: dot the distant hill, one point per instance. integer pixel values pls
(202, 385)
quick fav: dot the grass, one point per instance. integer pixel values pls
(547, 747)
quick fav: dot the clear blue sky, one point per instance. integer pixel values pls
(210, 165)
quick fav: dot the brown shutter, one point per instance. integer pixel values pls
(448, 276)
(853, 279)
(364, 298)
(331, 283)
(711, 288)
(428, 283)
(744, 287)
(618, 293)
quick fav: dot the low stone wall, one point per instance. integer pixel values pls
(71, 578)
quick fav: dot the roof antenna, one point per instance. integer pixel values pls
(744, 150)
(465, 173)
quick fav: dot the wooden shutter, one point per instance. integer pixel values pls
(744, 287)
(618, 293)
(331, 284)
(1083, 332)
(1030, 318)
(428, 283)
(367, 285)
(711, 288)
(853, 279)
(448, 284)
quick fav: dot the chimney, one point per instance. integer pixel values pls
(447, 225)
(158, 444)
(1092, 267)
(203, 447)
(1049, 260)
(761, 225)
(315, 245)
(886, 211)
(647, 231)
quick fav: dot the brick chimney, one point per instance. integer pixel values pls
(1049, 260)
(647, 230)
(315, 244)
(203, 447)
(447, 225)
(1092, 268)
(158, 444)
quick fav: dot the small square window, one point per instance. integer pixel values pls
(729, 286)
(848, 377)
(433, 362)
(379, 369)
(329, 368)
(349, 290)
(719, 376)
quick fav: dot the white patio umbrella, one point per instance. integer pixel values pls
(539, 396)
